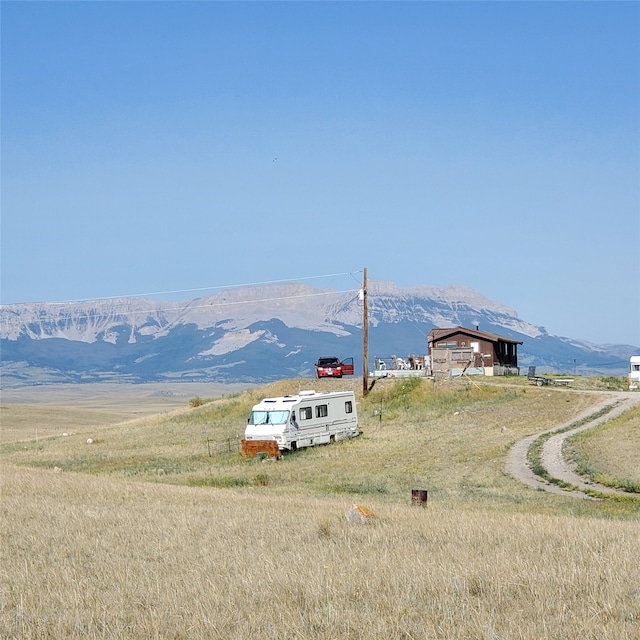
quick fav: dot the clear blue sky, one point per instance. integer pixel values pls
(180, 146)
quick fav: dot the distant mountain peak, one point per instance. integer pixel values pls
(257, 333)
(451, 294)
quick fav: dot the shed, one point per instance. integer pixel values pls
(459, 350)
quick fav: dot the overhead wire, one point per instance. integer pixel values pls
(209, 305)
(210, 288)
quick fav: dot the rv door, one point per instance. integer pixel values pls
(347, 367)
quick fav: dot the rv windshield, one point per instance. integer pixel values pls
(268, 417)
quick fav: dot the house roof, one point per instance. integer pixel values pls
(442, 334)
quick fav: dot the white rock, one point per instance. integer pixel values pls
(360, 514)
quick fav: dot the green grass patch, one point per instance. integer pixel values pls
(367, 487)
(534, 457)
(218, 482)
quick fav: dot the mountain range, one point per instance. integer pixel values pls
(263, 333)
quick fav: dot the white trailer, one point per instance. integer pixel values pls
(634, 372)
(302, 420)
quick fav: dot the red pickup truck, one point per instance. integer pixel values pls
(332, 367)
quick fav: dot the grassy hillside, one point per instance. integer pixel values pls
(152, 531)
(449, 437)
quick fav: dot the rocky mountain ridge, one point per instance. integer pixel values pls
(259, 333)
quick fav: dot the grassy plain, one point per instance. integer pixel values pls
(150, 532)
(29, 413)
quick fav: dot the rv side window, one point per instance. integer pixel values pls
(305, 413)
(321, 411)
(348, 407)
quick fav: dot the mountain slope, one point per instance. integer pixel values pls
(261, 333)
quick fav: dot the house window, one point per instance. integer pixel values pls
(322, 411)
(348, 406)
(305, 413)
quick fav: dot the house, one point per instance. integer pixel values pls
(459, 350)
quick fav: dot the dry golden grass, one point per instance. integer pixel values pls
(93, 557)
(450, 438)
(32, 422)
(28, 413)
(147, 542)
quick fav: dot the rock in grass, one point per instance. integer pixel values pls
(360, 514)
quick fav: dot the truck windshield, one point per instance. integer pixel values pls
(269, 417)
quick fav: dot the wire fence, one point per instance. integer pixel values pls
(230, 445)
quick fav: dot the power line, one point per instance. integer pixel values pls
(211, 288)
(209, 305)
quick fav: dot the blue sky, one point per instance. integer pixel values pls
(183, 146)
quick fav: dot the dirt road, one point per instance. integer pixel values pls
(556, 466)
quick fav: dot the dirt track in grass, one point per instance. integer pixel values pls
(551, 457)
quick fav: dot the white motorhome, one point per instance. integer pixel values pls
(304, 420)
(634, 372)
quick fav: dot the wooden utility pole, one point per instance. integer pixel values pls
(365, 336)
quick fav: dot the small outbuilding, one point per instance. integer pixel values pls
(458, 350)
